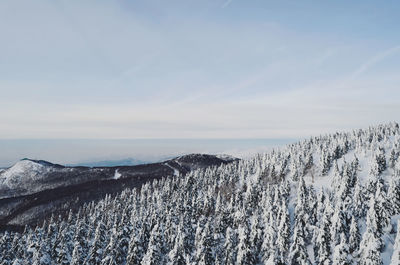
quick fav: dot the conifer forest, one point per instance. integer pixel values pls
(331, 199)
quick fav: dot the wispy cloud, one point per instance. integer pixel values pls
(129, 69)
(375, 60)
(226, 3)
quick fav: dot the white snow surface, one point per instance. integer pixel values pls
(176, 172)
(226, 157)
(17, 174)
(117, 175)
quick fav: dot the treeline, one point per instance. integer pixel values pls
(328, 200)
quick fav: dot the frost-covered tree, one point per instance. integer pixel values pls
(371, 243)
(253, 211)
(322, 245)
(393, 195)
(382, 208)
(229, 247)
(355, 237)
(283, 234)
(341, 252)
(205, 253)
(298, 252)
(96, 250)
(396, 248)
(378, 163)
(177, 255)
(154, 253)
(136, 250)
(76, 258)
(244, 252)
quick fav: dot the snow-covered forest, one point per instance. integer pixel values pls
(331, 199)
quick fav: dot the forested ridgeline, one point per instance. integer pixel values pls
(331, 199)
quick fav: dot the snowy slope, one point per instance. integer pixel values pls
(332, 199)
(31, 189)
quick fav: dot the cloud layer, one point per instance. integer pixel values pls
(198, 69)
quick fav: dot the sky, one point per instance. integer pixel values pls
(105, 152)
(220, 69)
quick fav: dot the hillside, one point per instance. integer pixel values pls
(31, 190)
(331, 199)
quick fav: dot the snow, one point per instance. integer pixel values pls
(17, 174)
(176, 172)
(249, 173)
(226, 157)
(117, 175)
(310, 252)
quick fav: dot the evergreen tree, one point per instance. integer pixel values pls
(153, 255)
(393, 195)
(177, 255)
(355, 237)
(382, 208)
(322, 249)
(283, 235)
(205, 246)
(244, 253)
(371, 243)
(341, 252)
(298, 252)
(76, 258)
(396, 248)
(136, 251)
(338, 224)
(111, 251)
(359, 205)
(231, 241)
(5, 245)
(269, 244)
(378, 163)
(96, 251)
(63, 247)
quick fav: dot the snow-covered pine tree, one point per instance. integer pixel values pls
(359, 200)
(269, 244)
(382, 207)
(229, 247)
(283, 234)
(371, 243)
(393, 195)
(111, 250)
(354, 238)
(136, 251)
(341, 252)
(322, 245)
(234, 200)
(338, 224)
(154, 253)
(378, 163)
(244, 252)
(177, 255)
(97, 247)
(64, 246)
(205, 246)
(76, 258)
(396, 248)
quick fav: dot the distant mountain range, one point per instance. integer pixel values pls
(31, 190)
(112, 163)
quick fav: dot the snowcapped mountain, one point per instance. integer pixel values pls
(331, 199)
(31, 189)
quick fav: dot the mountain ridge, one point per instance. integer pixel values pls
(29, 184)
(332, 199)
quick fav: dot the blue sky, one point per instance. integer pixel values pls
(196, 69)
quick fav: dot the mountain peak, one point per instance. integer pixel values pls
(41, 162)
